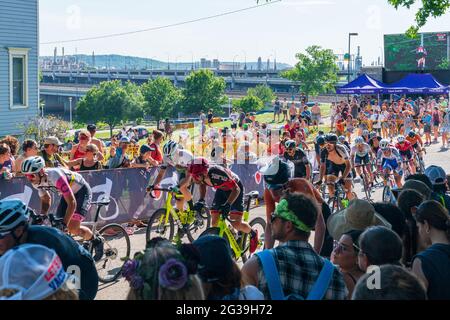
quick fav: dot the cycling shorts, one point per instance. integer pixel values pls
(362, 160)
(406, 154)
(334, 169)
(392, 164)
(416, 146)
(221, 197)
(83, 198)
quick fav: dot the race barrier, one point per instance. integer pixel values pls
(126, 188)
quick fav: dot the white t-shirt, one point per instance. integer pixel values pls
(377, 120)
(234, 117)
(251, 293)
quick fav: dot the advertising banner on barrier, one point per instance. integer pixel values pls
(126, 190)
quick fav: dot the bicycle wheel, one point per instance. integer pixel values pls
(201, 224)
(158, 228)
(116, 251)
(334, 204)
(367, 189)
(387, 194)
(258, 224)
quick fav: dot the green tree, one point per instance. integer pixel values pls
(316, 71)
(249, 103)
(429, 8)
(203, 91)
(111, 102)
(161, 98)
(263, 92)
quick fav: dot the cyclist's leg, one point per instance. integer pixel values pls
(220, 197)
(83, 198)
(410, 157)
(184, 189)
(237, 209)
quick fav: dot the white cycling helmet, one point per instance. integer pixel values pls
(359, 140)
(384, 144)
(170, 148)
(401, 139)
(12, 213)
(33, 165)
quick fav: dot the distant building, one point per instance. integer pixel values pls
(19, 92)
(205, 64)
(216, 64)
(259, 64)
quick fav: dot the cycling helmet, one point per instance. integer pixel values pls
(401, 139)
(12, 213)
(277, 173)
(412, 134)
(33, 165)
(170, 148)
(372, 135)
(384, 144)
(359, 140)
(341, 139)
(366, 133)
(331, 138)
(320, 140)
(146, 148)
(198, 166)
(217, 151)
(290, 144)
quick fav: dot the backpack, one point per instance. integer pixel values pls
(273, 279)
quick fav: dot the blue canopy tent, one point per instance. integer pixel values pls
(362, 85)
(413, 83)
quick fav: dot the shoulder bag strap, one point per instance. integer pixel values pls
(323, 282)
(271, 274)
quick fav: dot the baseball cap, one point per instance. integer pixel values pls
(417, 185)
(436, 175)
(34, 271)
(53, 140)
(215, 258)
(125, 140)
(91, 127)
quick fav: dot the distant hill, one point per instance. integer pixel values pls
(129, 62)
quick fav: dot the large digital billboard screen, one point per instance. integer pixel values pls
(428, 51)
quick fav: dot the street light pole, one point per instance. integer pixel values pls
(349, 53)
(70, 112)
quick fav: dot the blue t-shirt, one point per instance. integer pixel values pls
(427, 118)
(435, 266)
(71, 254)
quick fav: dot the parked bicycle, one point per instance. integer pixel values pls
(116, 242)
(239, 241)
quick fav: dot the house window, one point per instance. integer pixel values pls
(18, 62)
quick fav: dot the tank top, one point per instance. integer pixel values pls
(84, 168)
(79, 154)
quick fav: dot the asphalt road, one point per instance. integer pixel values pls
(119, 289)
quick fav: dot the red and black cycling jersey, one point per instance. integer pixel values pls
(222, 178)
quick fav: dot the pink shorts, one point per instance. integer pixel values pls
(77, 217)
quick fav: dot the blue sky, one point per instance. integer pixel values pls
(280, 30)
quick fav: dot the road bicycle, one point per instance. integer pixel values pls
(339, 200)
(365, 182)
(188, 222)
(239, 242)
(418, 160)
(388, 195)
(116, 242)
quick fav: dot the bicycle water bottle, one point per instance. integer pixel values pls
(246, 215)
(344, 203)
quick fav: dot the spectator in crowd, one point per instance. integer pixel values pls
(408, 201)
(345, 255)
(359, 215)
(90, 161)
(13, 144)
(168, 129)
(297, 263)
(395, 284)
(34, 272)
(220, 275)
(392, 214)
(144, 160)
(377, 246)
(417, 185)
(6, 162)
(438, 180)
(92, 128)
(162, 272)
(276, 110)
(79, 150)
(161, 125)
(234, 116)
(29, 149)
(292, 111)
(432, 265)
(156, 154)
(315, 115)
(50, 153)
(210, 117)
(118, 155)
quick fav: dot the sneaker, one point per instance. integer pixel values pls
(97, 243)
(254, 241)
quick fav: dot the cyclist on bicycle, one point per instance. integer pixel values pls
(177, 157)
(228, 198)
(389, 160)
(374, 143)
(335, 166)
(406, 151)
(277, 180)
(344, 142)
(319, 144)
(416, 142)
(76, 196)
(360, 157)
(299, 159)
(15, 230)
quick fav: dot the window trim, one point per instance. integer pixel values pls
(18, 53)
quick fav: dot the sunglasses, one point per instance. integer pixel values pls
(83, 138)
(339, 247)
(3, 235)
(47, 145)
